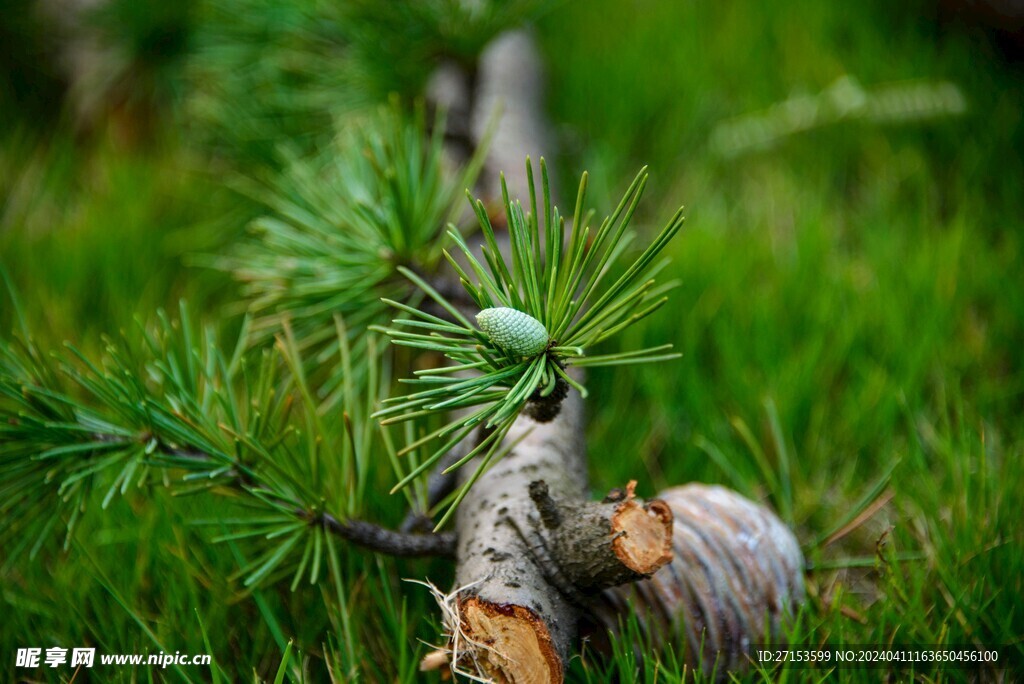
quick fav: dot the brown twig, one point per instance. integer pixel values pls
(391, 542)
(368, 535)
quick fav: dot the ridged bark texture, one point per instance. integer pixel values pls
(736, 574)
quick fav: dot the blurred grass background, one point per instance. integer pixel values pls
(850, 308)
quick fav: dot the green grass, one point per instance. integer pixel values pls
(851, 300)
(850, 306)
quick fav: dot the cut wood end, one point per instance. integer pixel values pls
(642, 535)
(518, 645)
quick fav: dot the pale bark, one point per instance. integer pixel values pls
(512, 604)
(532, 550)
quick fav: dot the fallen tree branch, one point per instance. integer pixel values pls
(534, 555)
(735, 576)
(531, 548)
(360, 532)
(531, 561)
(604, 544)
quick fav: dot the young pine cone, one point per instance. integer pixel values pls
(513, 331)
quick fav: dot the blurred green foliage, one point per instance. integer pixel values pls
(851, 303)
(851, 299)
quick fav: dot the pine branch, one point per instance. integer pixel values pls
(541, 310)
(176, 411)
(360, 532)
(338, 226)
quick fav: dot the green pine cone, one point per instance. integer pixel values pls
(513, 331)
